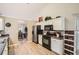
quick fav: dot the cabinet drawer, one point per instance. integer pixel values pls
(70, 43)
(69, 32)
(69, 37)
(69, 48)
(67, 52)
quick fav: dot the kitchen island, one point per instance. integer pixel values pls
(4, 45)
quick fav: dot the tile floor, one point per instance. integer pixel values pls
(29, 48)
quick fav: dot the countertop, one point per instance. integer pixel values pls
(59, 38)
(3, 36)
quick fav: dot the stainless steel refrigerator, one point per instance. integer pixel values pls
(34, 34)
(36, 30)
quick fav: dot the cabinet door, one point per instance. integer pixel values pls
(42, 26)
(1, 24)
(60, 46)
(53, 44)
(58, 24)
(40, 39)
(57, 45)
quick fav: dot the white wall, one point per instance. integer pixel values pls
(13, 30)
(29, 25)
(59, 9)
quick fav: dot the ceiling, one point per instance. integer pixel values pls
(26, 11)
(30, 11)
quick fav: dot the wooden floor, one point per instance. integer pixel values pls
(30, 48)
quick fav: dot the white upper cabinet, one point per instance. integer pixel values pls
(68, 22)
(59, 24)
(1, 23)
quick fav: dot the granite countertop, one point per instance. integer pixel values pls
(57, 38)
(4, 36)
(54, 36)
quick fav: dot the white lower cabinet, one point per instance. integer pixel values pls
(40, 39)
(5, 51)
(57, 45)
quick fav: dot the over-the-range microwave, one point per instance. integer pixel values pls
(48, 27)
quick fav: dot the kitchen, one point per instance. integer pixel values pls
(56, 33)
(61, 39)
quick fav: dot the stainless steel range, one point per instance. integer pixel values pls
(46, 42)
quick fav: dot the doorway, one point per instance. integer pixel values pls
(22, 32)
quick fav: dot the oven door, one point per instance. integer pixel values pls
(46, 42)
